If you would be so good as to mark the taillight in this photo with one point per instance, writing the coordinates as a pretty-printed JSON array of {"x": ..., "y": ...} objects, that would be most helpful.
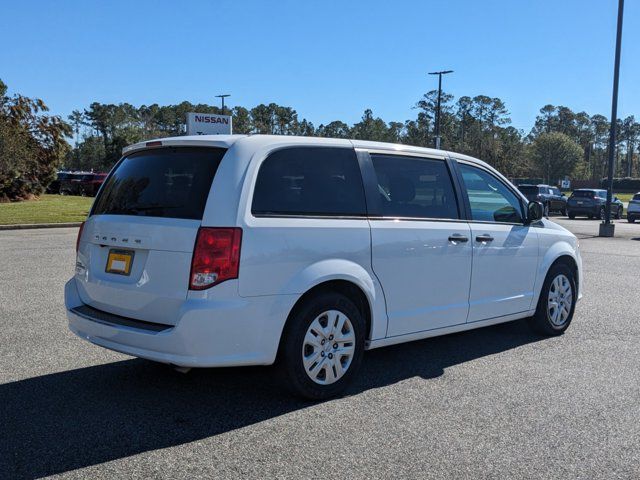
[
  {"x": 79, "y": 236},
  {"x": 216, "y": 257}
]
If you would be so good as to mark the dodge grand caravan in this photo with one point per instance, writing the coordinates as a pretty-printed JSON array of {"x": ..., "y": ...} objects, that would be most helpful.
[{"x": 214, "y": 251}]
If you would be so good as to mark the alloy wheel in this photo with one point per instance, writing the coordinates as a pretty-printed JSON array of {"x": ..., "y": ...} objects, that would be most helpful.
[
  {"x": 559, "y": 301},
  {"x": 328, "y": 347}
]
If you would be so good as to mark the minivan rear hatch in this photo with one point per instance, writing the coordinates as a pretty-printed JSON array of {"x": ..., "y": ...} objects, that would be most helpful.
[{"x": 135, "y": 256}]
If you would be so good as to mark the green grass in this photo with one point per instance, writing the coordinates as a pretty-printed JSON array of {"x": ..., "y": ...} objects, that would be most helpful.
[
  {"x": 624, "y": 197},
  {"x": 47, "y": 209}
]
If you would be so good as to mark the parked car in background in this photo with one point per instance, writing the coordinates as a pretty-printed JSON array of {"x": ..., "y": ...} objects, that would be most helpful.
[
  {"x": 85, "y": 184},
  {"x": 552, "y": 199},
  {"x": 633, "y": 210},
  {"x": 90, "y": 184},
  {"x": 228, "y": 250},
  {"x": 70, "y": 183},
  {"x": 54, "y": 187},
  {"x": 592, "y": 204}
]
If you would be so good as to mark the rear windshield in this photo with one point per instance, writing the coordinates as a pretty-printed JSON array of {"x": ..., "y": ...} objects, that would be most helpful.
[
  {"x": 165, "y": 182},
  {"x": 636, "y": 196},
  {"x": 528, "y": 189},
  {"x": 583, "y": 194}
]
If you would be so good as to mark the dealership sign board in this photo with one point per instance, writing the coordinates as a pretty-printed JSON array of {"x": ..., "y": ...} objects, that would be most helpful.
[{"x": 208, "y": 124}]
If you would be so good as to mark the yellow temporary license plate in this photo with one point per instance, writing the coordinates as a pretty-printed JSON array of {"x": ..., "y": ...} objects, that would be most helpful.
[{"x": 119, "y": 262}]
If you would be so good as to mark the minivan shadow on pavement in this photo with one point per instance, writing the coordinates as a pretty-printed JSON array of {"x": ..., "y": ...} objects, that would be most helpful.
[{"x": 69, "y": 420}]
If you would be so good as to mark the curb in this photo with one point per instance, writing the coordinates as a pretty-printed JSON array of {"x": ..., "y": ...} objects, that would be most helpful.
[{"x": 32, "y": 226}]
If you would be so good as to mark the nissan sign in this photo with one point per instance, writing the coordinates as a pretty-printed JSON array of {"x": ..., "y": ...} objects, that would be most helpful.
[{"x": 208, "y": 124}]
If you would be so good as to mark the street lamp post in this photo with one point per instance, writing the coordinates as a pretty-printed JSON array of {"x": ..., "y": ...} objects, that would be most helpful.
[
  {"x": 222, "y": 97},
  {"x": 443, "y": 72},
  {"x": 607, "y": 228}
]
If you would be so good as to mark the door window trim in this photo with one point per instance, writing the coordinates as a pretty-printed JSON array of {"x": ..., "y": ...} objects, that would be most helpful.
[{"x": 513, "y": 190}]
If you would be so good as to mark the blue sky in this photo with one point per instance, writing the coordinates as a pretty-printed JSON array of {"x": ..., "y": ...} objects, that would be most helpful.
[{"x": 329, "y": 60}]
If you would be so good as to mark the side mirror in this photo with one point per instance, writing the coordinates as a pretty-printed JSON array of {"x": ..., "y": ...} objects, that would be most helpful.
[{"x": 535, "y": 212}]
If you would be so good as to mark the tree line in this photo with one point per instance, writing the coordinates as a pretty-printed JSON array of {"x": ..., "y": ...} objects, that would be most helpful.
[{"x": 561, "y": 143}]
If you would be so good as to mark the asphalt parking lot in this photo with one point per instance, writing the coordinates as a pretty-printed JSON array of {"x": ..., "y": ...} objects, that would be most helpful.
[{"x": 493, "y": 403}]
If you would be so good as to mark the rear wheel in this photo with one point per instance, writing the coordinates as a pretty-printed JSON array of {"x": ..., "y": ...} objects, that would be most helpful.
[
  {"x": 556, "y": 303},
  {"x": 322, "y": 346},
  {"x": 631, "y": 219}
]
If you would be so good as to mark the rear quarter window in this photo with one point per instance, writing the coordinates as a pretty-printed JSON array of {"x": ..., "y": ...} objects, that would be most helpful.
[
  {"x": 309, "y": 181},
  {"x": 164, "y": 182}
]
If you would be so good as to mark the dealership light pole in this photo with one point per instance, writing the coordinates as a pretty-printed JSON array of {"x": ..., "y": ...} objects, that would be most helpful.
[
  {"x": 607, "y": 228},
  {"x": 222, "y": 97},
  {"x": 443, "y": 72}
]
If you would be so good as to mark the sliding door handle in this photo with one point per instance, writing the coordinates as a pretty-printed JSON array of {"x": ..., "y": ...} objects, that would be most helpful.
[
  {"x": 484, "y": 238},
  {"x": 456, "y": 237}
]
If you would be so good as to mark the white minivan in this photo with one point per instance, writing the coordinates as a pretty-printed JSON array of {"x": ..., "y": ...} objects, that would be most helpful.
[{"x": 211, "y": 251}]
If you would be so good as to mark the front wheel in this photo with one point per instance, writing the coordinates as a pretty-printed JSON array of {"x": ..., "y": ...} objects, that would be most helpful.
[
  {"x": 322, "y": 346},
  {"x": 631, "y": 219},
  {"x": 619, "y": 213},
  {"x": 556, "y": 303}
]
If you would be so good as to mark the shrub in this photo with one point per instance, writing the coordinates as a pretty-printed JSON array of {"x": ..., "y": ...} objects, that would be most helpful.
[
  {"x": 32, "y": 146},
  {"x": 623, "y": 185}
]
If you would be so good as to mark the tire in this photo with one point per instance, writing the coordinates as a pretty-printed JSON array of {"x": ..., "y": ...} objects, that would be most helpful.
[
  {"x": 572, "y": 216},
  {"x": 564, "y": 212},
  {"x": 631, "y": 219},
  {"x": 546, "y": 210},
  {"x": 308, "y": 344},
  {"x": 602, "y": 213},
  {"x": 549, "y": 320}
]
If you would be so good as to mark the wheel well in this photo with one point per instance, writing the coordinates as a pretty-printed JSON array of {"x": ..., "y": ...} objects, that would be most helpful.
[
  {"x": 570, "y": 262},
  {"x": 344, "y": 287}
]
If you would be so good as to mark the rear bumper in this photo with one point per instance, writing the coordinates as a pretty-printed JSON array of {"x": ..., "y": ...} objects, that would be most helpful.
[
  {"x": 633, "y": 212},
  {"x": 209, "y": 333},
  {"x": 593, "y": 210}
]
